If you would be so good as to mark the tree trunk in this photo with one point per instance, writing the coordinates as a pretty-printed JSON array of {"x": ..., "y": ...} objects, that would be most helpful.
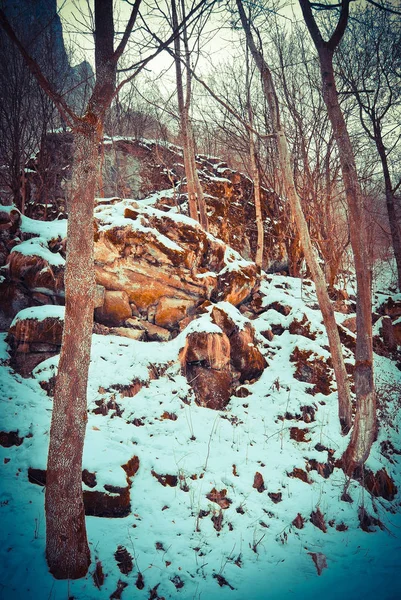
[
  {"x": 258, "y": 203},
  {"x": 255, "y": 172},
  {"x": 344, "y": 400},
  {"x": 365, "y": 427},
  {"x": 188, "y": 166},
  {"x": 203, "y": 218},
  {"x": 67, "y": 548},
  {"x": 196, "y": 199},
  {"x": 392, "y": 216}
]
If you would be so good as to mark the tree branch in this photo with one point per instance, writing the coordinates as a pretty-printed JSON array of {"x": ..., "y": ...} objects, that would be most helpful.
[{"x": 130, "y": 25}]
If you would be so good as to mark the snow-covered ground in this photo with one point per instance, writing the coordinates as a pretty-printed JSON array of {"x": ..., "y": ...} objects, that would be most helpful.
[{"x": 182, "y": 544}]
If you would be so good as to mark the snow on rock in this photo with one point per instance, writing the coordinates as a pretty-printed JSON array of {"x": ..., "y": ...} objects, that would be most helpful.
[
  {"x": 147, "y": 168},
  {"x": 165, "y": 262},
  {"x": 39, "y": 313},
  {"x": 34, "y": 335},
  {"x": 47, "y": 230}
]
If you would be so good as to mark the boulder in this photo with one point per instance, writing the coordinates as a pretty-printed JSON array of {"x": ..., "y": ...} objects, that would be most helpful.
[
  {"x": 151, "y": 332},
  {"x": 170, "y": 311},
  {"x": 210, "y": 349},
  {"x": 391, "y": 307},
  {"x": 245, "y": 356},
  {"x": 205, "y": 360},
  {"x": 166, "y": 264},
  {"x": 149, "y": 267},
  {"x": 350, "y": 323},
  {"x": 30, "y": 327},
  {"x": 235, "y": 285},
  {"x": 39, "y": 270},
  {"x": 115, "y": 309},
  {"x": 128, "y": 332},
  {"x": 35, "y": 335},
  {"x": 212, "y": 388},
  {"x": 312, "y": 369}
]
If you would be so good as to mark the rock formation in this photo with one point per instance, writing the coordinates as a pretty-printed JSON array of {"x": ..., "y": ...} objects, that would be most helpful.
[{"x": 137, "y": 169}]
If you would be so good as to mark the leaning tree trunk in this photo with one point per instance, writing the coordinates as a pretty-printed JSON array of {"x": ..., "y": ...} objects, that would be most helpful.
[
  {"x": 344, "y": 399},
  {"x": 365, "y": 426},
  {"x": 67, "y": 548},
  {"x": 201, "y": 203},
  {"x": 257, "y": 199},
  {"x": 255, "y": 172},
  {"x": 390, "y": 204},
  {"x": 184, "y": 119}
]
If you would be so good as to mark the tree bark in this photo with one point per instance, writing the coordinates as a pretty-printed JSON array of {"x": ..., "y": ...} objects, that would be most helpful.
[
  {"x": 67, "y": 549},
  {"x": 344, "y": 399},
  {"x": 257, "y": 200},
  {"x": 365, "y": 426}
]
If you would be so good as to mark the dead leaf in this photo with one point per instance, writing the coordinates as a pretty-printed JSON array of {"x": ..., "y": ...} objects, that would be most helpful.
[{"x": 320, "y": 561}]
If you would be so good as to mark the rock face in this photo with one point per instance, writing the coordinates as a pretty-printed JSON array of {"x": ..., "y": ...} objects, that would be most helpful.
[
  {"x": 205, "y": 360},
  {"x": 244, "y": 354},
  {"x": 136, "y": 169},
  {"x": 39, "y": 27},
  {"x": 161, "y": 267}
]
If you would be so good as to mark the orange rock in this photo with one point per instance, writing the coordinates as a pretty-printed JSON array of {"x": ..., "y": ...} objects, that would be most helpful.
[
  {"x": 170, "y": 311},
  {"x": 211, "y": 349},
  {"x": 36, "y": 272},
  {"x": 31, "y": 330},
  {"x": 212, "y": 388},
  {"x": 115, "y": 310},
  {"x": 245, "y": 356}
]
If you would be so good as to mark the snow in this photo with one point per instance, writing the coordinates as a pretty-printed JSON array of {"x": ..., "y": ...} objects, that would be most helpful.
[
  {"x": 258, "y": 552},
  {"x": 38, "y": 247},
  {"x": 151, "y": 413},
  {"x": 46, "y": 230},
  {"x": 39, "y": 313}
]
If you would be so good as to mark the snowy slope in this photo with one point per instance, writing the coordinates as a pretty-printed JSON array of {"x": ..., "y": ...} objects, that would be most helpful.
[{"x": 236, "y": 544}]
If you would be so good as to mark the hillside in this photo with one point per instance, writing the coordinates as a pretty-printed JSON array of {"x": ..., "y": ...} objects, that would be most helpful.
[{"x": 188, "y": 496}]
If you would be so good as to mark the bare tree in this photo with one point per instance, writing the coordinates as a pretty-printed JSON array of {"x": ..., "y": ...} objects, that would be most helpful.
[
  {"x": 365, "y": 426},
  {"x": 296, "y": 209},
  {"x": 182, "y": 61},
  {"x": 309, "y": 134},
  {"x": 371, "y": 73},
  {"x": 67, "y": 548}
]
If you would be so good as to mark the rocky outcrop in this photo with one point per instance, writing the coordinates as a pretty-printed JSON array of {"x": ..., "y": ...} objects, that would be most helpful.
[
  {"x": 149, "y": 265},
  {"x": 219, "y": 354},
  {"x": 161, "y": 267},
  {"x": 138, "y": 168},
  {"x": 34, "y": 335}
]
